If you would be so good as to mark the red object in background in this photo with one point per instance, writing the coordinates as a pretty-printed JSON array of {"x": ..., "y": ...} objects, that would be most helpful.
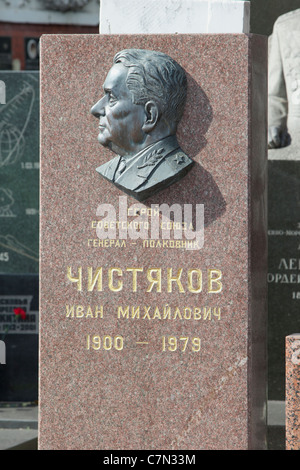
[{"x": 21, "y": 312}]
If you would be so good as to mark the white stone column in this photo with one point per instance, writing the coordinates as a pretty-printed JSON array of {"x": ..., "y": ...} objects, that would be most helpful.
[{"x": 174, "y": 16}]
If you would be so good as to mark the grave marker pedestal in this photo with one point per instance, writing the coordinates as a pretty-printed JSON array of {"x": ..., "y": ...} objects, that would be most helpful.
[{"x": 150, "y": 339}]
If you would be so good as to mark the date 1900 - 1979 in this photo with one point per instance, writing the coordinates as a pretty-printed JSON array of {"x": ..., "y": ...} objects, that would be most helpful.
[{"x": 167, "y": 343}]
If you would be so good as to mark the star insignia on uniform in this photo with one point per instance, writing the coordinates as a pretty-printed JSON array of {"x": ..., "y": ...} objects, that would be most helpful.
[{"x": 179, "y": 159}]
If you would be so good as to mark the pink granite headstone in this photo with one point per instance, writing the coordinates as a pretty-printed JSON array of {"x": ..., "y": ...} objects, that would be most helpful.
[
  {"x": 292, "y": 391},
  {"x": 149, "y": 339}
]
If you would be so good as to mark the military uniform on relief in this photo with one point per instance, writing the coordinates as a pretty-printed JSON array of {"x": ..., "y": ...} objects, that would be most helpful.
[
  {"x": 284, "y": 80},
  {"x": 160, "y": 164}
]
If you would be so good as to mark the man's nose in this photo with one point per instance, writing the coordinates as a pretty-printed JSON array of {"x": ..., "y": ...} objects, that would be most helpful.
[{"x": 98, "y": 109}]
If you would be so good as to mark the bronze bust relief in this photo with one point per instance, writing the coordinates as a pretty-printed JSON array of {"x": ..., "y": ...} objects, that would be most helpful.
[{"x": 144, "y": 97}]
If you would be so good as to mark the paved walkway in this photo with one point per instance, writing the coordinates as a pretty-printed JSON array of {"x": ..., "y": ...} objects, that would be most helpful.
[{"x": 19, "y": 427}]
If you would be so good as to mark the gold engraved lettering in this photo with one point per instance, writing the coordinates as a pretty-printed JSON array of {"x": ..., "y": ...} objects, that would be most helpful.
[
  {"x": 156, "y": 314},
  {"x": 134, "y": 276},
  {"x": 182, "y": 344},
  {"x": 104, "y": 343},
  {"x": 70, "y": 311},
  {"x": 197, "y": 313},
  {"x": 93, "y": 279},
  {"x": 135, "y": 312},
  {"x": 171, "y": 280},
  {"x": 147, "y": 315},
  {"x": 110, "y": 279},
  {"x": 217, "y": 312},
  {"x": 177, "y": 314},
  {"x": 153, "y": 281},
  {"x": 123, "y": 313},
  {"x": 79, "y": 311},
  {"x": 75, "y": 279},
  {"x": 176, "y": 279},
  {"x": 187, "y": 313},
  {"x": 168, "y": 313},
  {"x": 198, "y": 287},
  {"x": 214, "y": 281}
]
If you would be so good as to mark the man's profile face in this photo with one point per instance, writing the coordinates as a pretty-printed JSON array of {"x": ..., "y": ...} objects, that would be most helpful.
[{"x": 120, "y": 120}]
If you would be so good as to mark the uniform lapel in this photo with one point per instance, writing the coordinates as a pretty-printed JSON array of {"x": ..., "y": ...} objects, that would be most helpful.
[
  {"x": 109, "y": 169},
  {"x": 145, "y": 163}
]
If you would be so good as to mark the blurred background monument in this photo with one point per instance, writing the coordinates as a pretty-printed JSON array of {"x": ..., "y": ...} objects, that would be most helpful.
[{"x": 284, "y": 193}]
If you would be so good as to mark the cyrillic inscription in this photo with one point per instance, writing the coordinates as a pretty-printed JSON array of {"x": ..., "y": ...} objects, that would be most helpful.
[{"x": 159, "y": 279}]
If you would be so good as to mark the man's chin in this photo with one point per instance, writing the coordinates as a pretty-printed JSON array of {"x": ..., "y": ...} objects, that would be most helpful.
[
  {"x": 103, "y": 141},
  {"x": 108, "y": 144}
]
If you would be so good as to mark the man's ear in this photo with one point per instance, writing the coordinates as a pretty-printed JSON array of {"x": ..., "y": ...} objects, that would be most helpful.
[{"x": 152, "y": 116}]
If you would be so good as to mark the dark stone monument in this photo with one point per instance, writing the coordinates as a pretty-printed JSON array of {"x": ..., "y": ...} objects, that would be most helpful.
[
  {"x": 283, "y": 195},
  {"x": 32, "y": 53},
  {"x": 5, "y": 53},
  {"x": 19, "y": 376},
  {"x": 292, "y": 387},
  {"x": 19, "y": 235},
  {"x": 19, "y": 177},
  {"x": 283, "y": 266}
]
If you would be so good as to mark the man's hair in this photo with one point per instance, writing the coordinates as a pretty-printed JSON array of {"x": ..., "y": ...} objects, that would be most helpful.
[{"x": 155, "y": 76}]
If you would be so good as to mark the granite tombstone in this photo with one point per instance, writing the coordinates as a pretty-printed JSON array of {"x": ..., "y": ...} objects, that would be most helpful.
[
  {"x": 292, "y": 391},
  {"x": 19, "y": 235},
  {"x": 5, "y": 53},
  {"x": 153, "y": 313},
  {"x": 283, "y": 194},
  {"x": 19, "y": 179}
]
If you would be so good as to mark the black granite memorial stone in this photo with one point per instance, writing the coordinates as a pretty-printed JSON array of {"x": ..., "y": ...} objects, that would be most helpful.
[
  {"x": 19, "y": 235},
  {"x": 283, "y": 266},
  {"x": 19, "y": 175},
  {"x": 19, "y": 375},
  {"x": 5, "y": 53},
  {"x": 32, "y": 55}
]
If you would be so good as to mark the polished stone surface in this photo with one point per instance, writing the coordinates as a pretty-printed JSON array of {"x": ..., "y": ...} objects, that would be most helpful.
[
  {"x": 283, "y": 266},
  {"x": 292, "y": 391},
  {"x": 19, "y": 176},
  {"x": 19, "y": 376},
  {"x": 124, "y": 368}
]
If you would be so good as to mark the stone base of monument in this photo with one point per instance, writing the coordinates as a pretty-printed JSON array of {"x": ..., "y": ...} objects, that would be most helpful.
[{"x": 151, "y": 340}]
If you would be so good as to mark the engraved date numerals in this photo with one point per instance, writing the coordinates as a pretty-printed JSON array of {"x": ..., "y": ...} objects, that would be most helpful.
[
  {"x": 181, "y": 343},
  {"x": 105, "y": 342}
]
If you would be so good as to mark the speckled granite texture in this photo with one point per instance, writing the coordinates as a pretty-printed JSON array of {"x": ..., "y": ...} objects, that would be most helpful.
[
  {"x": 154, "y": 389},
  {"x": 292, "y": 391}
]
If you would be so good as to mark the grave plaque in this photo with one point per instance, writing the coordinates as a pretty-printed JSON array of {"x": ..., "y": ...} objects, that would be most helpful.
[
  {"x": 31, "y": 46},
  {"x": 283, "y": 265},
  {"x": 153, "y": 242},
  {"x": 292, "y": 389},
  {"x": 19, "y": 234},
  {"x": 19, "y": 177},
  {"x": 5, "y": 53},
  {"x": 284, "y": 194},
  {"x": 19, "y": 323}
]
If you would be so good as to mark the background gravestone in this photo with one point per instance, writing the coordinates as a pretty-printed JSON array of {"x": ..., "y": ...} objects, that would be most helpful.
[
  {"x": 19, "y": 376},
  {"x": 19, "y": 179},
  {"x": 284, "y": 194},
  {"x": 19, "y": 234},
  {"x": 139, "y": 347},
  {"x": 5, "y": 53},
  {"x": 283, "y": 266}
]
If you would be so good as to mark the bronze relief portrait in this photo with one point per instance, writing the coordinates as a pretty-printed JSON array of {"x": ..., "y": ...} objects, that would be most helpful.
[{"x": 143, "y": 102}]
